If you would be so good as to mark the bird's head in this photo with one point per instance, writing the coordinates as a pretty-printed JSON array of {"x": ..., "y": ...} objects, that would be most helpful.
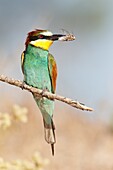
[{"x": 42, "y": 38}]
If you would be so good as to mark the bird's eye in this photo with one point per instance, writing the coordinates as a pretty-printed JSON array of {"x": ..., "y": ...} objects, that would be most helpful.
[{"x": 40, "y": 36}]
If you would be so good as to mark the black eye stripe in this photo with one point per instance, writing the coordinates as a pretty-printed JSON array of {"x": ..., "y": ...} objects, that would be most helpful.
[{"x": 33, "y": 38}]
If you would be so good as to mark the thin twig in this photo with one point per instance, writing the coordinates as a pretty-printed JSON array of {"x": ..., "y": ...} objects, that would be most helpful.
[{"x": 46, "y": 94}]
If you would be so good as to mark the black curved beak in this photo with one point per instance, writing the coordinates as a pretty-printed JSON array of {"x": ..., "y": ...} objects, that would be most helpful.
[
  {"x": 60, "y": 37},
  {"x": 56, "y": 37}
]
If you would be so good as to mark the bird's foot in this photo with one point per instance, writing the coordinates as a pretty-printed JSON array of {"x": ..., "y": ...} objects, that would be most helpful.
[
  {"x": 44, "y": 90},
  {"x": 22, "y": 86}
]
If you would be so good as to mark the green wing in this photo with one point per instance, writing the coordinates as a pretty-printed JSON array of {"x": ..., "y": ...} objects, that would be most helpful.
[{"x": 52, "y": 71}]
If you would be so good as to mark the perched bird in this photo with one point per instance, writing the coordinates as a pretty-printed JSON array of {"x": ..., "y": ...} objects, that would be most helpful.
[{"x": 40, "y": 71}]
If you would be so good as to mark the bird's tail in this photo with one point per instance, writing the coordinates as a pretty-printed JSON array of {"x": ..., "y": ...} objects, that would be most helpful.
[{"x": 49, "y": 132}]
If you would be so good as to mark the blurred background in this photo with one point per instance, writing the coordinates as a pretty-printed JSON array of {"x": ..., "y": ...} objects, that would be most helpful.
[{"x": 85, "y": 73}]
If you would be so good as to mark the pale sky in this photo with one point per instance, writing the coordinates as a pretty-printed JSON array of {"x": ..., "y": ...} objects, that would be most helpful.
[{"x": 85, "y": 66}]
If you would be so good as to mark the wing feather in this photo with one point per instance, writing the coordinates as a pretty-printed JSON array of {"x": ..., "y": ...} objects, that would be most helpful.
[{"x": 52, "y": 71}]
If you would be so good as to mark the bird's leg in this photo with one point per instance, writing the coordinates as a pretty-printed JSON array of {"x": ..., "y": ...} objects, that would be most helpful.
[
  {"x": 22, "y": 86},
  {"x": 44, "y": 90}
]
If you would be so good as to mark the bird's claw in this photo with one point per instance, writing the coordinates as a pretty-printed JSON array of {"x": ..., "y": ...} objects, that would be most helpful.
[
  {"x": 22, "y": 86},
  {"x": 43, "y": 91}
]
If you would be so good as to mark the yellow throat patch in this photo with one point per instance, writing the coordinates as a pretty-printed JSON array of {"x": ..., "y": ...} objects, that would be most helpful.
[{"x": 45, "y": 44}]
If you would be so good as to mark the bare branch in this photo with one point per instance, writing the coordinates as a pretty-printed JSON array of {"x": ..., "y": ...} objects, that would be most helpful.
[{"x": 46, "y": 94}]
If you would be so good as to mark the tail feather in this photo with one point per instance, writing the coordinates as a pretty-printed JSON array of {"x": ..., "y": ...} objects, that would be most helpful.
[
  {"x": 49, "y": 131},
  {"x": 52, "y": 149}
]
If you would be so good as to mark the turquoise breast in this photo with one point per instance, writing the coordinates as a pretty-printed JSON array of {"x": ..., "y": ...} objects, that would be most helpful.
[{"x": 36, "y": 71}]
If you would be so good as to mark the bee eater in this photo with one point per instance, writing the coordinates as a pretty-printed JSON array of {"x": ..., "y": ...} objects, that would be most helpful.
[{"x": 40, "y": 71}]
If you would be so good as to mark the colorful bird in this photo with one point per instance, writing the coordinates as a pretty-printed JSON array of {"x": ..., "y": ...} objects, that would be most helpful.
[{"x": 40, "y": 71}]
